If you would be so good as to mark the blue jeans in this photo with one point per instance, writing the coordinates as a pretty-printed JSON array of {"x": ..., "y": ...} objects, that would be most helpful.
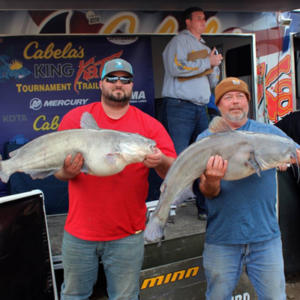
[
  {"x": 184, "y": 121},
  {"x": 264, "y": 266},
  {"x": 122, "y": 261}
]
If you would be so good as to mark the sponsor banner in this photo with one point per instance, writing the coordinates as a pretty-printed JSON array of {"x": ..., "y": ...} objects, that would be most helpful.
[
  {"x": 42, "y": 78},
  {"x": 185, "y": 280}
]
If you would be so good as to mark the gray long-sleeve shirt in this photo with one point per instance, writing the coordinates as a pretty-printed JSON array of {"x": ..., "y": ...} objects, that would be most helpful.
[{"x": 196, "y": 90}]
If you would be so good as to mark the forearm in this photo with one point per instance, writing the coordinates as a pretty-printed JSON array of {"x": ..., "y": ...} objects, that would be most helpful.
[
  {"x": 70, "y": 168},
  {"x": 208, "y": 188},
  {"x": 164, "y": 166},
  {"x": 62, "y": 175},
  {"x": 214, "y": 77},
  {"x": 176, "y": 58}
]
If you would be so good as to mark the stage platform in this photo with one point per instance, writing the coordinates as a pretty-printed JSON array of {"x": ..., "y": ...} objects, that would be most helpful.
[{"x": 184, "y": 223}]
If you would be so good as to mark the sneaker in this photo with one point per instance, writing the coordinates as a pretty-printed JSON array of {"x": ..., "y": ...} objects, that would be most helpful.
[{"x": 202, "y": 217}]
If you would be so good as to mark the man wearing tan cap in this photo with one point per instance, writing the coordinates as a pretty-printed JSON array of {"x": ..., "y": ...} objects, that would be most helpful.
[{"x": 242, "y": 227}]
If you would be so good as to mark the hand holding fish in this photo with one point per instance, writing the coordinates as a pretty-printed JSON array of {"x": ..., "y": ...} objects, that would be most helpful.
[
  {"x": 154, "y": 159},
  {"x": 215, "y": 168},
  {"x": 71, "y": 168},
  {"x": 282, "y": 168},
  {"x": 210, "y": 181},
  {"x": 294, "y": 160},
  {"x": 159, "y": 162}
]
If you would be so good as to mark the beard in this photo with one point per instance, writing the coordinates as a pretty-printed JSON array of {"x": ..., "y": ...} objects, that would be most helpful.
[
  {"x": 116, "y": 97},
  {"x": 235, "y": 118}
]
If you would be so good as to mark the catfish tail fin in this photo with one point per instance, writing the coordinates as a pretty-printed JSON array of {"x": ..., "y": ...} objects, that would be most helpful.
[
  {"x": 3, "y": 176},
  {"x": 154, "y": 230}
]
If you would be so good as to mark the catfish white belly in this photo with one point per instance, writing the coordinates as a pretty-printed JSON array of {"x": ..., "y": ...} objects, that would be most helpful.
[{"x": 105, "y": 152}]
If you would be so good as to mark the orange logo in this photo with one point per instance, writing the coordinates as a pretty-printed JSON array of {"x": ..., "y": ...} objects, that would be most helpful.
[{"x": 279, "y": 99}]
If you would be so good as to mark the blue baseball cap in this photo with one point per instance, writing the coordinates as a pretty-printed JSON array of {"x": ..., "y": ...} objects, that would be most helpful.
[{"x": 116, "y": 64}]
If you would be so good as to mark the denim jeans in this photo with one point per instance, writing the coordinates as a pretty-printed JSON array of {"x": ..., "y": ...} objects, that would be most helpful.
[
  {"x": 264, "y": 266},
  {"x": 184, "y": 121},
  {"x": 122, "y": 261}
]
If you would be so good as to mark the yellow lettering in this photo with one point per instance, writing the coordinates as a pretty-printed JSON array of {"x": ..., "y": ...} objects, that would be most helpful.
[
  {"x": 212, "y": 25},
  {"x": 67, "y": 52},
  {"x": 46, "y": 125},
  {"x": 190, "y": 270},
  {"x": 55, "y": 123},
  {"x": 152, "y": 281},
  {"x": 169, "y": 25},
  {"x": 19, "y": 85},
  {"x": 81, "y": 53},
  {"x": 49, "y": 51},
  {"x": 57, "y": 53},
  {"x": 35, "y": 127},
  {"x": 72, "y": 53},
  {"x": 39, "y": 54},
  {"x": 168, "y": 277},
  {"x": 66, "y": 49},
  {"x": 25, "y": 52},
  {"x": 79, "y": 83},
  {"x": 179, "y": 274},
  {"x": 129, "y": 20},
  {"x": 52, "y": 87},
  {"x": 44, "y": 87}
]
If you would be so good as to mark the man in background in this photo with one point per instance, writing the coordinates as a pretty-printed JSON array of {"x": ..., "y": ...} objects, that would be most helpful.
[{"x": 191, "y": 70}]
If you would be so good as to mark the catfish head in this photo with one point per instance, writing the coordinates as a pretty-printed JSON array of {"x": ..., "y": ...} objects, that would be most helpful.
[
  {"x": 136, "y": 147},
  {"x": 271, "y": 151}
]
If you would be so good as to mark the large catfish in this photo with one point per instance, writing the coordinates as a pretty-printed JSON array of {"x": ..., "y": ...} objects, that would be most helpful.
[
  {"x": 246, "y": 153},
  {"x": 105, "y": 152}
]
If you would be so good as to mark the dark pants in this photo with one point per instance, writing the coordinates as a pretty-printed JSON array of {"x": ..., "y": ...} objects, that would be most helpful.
[{"x": 184, "y": 121}]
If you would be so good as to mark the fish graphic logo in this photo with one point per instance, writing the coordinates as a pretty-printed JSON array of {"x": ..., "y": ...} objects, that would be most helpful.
[
  {"x": 119, "y": 64},
  {"x": 12, "y": 71}
]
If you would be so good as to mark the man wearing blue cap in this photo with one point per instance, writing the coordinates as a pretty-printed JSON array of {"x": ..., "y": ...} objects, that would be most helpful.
[{"x": 107, "y": 214}]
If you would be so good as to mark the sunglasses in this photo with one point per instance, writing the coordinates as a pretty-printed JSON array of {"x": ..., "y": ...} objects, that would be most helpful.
[{"x": 114, "y": 79}]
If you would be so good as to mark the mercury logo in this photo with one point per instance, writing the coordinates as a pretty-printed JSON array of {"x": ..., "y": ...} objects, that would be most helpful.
[{"x": 35, "y": 104}]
